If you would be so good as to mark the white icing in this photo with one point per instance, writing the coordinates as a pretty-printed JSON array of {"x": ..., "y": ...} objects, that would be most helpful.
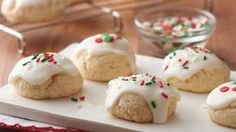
[
  {"x": 118, "y": 46},
  {"x": 39, "y": 72},
  {"x": 218, "y": 99},
  {"x": 196, "y": 62},
  {"x": 153, "y": 92}
]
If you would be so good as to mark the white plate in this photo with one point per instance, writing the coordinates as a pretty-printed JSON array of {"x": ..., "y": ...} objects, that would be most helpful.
[{"x": 190, "y": 113}]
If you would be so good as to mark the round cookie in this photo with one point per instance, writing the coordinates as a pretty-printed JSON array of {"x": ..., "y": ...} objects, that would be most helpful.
[
  {"x": 45, "y": 75},
  {"x": 222, "y": 104},
  {"x": 141, "y": 98},
  {"x": 103, "y": 57},
  {"x": 194, "y": 69},
  {"x": 34, "y": 11}
]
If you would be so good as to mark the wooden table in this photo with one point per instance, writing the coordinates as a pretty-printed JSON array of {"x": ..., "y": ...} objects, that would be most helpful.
[{"x": 56, "y": 38}]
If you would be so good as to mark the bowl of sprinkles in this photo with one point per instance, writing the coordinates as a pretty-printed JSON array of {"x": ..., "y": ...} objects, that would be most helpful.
[{"x": 168, "y": 27}]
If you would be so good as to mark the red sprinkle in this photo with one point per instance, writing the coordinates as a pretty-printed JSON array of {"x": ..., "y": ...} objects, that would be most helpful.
[
  {"x": 38, "y": 60},
  {"x": 164, "y": 95},
  {"x": 234, "y": 89},
  {"x": 160, "y": 84},
  {"x": 141, "y": 84},
  {"x": 194, "y": 25},
  {"x": 98, "y": 40},
  {"x": 185, "y": 63},
  {"x": 166, "y": 67},
  {"x": 146, "y": 74},
  {"x": 224, "y": 89},
  {"x": 54, "y": 62},
  {"x": 51, "y": 60},
  {"x": 153, "y": 78},
  {"x": 82, "y": 98},
  {"x": 180, "y": 60}
]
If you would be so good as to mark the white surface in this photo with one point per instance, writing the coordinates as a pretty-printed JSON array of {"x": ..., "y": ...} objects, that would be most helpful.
[{"x": 190, "y": 114}]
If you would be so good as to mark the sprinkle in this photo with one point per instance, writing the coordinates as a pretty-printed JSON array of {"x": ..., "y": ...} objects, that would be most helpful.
[
  {"x": 234, "y": 89},
  {"x": 168, "y": 84},
  {"x": 148, "y": 83},
  {"x": 164, "y": 95},
  {"x": 98, "y": 40},
  {"x": 224, "y": 89},
  {"x": 160, "y": 84},
  {"x": 74, "y": 99},
  {"x": 154, "y": 78},
  {"x": 174, "y": 53},
  {"x": 180, "y": 60},
  {"x": 166, "y": 68},
  {"x": 35, "y": 56},
  {"x": 146, "y": 74},
  {"x": 186, "y": 67},
  {"x": 153, "y": 103},
  {"x": 26, "y": 63},
  {"x": 234, "y": 82},
  {"x": 142, "y": 83},
  {"x": 124, "y": 79},
  {"x": 51, "y": 60},
  {"x": 82, "y": 98},
  {"x": 106, "y": 37},
  {"x": 54, "y": 62},
  {"x": 185, "y": 63},
  {"x": 38, "y": 60},
  {"x": 204, "y": 58},
  {"x": 43, "y": 60}
]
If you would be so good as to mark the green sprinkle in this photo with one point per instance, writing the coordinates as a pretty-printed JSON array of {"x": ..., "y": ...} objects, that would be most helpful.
[
  {"x": 196, "y": 51},
  {"x": 26, "y": 63},
  {"x": 74, "y": 99},
  {"x": 174, "y": 53},
  {"x": 234, "y": 82},
  {"x": 107, "y": 37},
  {"x": 153, "y": 81},
  {"x": 153, "y": 103},
  {"x": 148, "y": 83},
  {"x": 186, "y": 67},
  {"x": 204, "y": 58},
  {"x": 124, "y": 79},
  {"x": 45, "y": 59},
  {"x": 35, "y": 56},
  {"x": 170, "y": 57}
]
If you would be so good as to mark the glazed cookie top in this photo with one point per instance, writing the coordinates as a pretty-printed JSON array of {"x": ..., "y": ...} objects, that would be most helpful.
[
  {"x": 101, "y": 43},
  {"x": 185, "y": 62},
  {"x": 38, "y": 68},
  {"x": 155, "y": 91},
  {"x": 222, "y": 96}
]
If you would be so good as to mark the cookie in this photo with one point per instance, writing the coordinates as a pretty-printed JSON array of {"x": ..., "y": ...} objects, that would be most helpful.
[
  {"x": 222, "y": 104},
  {"x": 194, "y": 69},
  {"x": 103, "y": 57},
  {"x": 45, "y": 75},
  {"x": 141, "y": 98},
  {"x": 34, "y": 11}
]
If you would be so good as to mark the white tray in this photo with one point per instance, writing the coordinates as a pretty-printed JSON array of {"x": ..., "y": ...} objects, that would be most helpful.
[{"x": 190, "y": 114}]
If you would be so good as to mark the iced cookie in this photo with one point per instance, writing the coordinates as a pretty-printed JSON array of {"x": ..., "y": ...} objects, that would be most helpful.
[
  {"x": 45, "y": 75},
  {"x": 33, "y": 11},
  {"x": 141, "y": 98},
  {"x": 222, "y": 104},
  {"x": 194, "y": 69},
  {"x": 103, "y": 57}
]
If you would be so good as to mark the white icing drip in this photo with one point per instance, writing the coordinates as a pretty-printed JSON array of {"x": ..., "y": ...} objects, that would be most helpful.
[
  {"x": 197, "y": 59},
  {"x": 218, "y": 100},
  {"x": 39, "y": 72},
  {"x": 153, "y": 92},
  {"x": 119, "y": 46}
]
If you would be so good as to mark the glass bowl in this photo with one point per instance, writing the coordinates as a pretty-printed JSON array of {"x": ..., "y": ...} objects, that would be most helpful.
[{"x": 168, "y": 27}]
